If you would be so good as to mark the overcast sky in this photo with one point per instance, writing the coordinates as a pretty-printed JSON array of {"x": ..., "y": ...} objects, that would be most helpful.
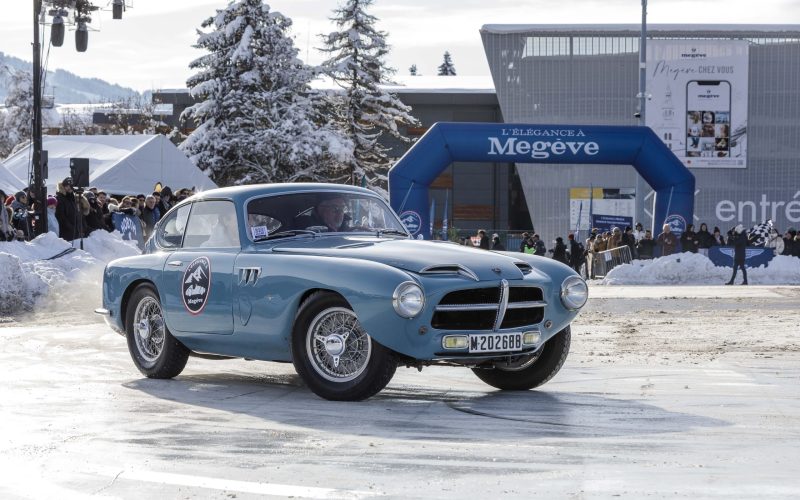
[{"x": 151, "y": 46}]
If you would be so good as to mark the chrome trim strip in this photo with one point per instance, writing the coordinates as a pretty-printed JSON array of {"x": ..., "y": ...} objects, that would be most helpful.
[
  {"x": 501, "y": 311},
  {"x": 467, "y": 307},
  {"x": 102, "y": 311},
  {"x": 527, "y": 305},
  {"x": 461, "y": 270}
]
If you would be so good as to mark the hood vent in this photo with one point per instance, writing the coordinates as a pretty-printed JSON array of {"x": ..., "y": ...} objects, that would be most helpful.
[
  {"x": 450, "y": 269},
  {"x": 524, "y": 267}
]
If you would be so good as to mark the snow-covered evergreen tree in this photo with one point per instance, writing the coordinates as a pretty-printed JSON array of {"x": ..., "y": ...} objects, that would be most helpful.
[
  {"x": 356, "y": 63},
  {"x": 412, "y": 70},
  {"x": 16, "y": 124},
  {"x": 447, "y": 68},
  {"x": 256, "y": 119}
]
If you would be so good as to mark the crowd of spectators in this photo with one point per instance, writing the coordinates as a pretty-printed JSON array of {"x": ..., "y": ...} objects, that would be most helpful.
[
  {"x": 74, "y": 213},
  {"x": 640, "y": 242}
]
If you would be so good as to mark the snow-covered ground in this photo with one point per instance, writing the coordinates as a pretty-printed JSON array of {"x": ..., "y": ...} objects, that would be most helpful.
[
  {"x": 30, "y": 280},
  {"x": 697, "y": 269}
]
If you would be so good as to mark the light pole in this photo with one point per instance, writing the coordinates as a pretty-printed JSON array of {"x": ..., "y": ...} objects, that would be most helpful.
[
  {"x": 82, "y": 9},
  {"x": 641, "y": 185},
  {"x": 39, "y": 187}
]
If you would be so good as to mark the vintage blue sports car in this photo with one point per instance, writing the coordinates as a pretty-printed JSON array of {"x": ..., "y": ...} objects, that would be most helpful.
[{"x": 327, "y": 277}]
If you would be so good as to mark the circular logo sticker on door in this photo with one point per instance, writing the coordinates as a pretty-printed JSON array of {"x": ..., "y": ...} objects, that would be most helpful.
[{"x": 196, "y": 285}]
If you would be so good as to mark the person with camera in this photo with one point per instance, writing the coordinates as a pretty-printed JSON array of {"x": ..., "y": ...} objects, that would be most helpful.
[
  {"x": 21, "y": 217},
  {"x": 67, "y": 211}
]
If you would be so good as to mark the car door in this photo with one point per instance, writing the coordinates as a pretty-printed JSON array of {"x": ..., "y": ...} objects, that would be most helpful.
[{"x": 198, "y": 277}]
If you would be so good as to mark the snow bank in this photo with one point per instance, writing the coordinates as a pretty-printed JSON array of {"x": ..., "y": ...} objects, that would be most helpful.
[
  {"x": 70, "y": 283},
  {"x": 696, "y": 269}
]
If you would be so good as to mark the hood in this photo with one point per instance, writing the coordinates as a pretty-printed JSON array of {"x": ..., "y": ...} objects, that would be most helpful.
[{"x": 417, "y": 256}]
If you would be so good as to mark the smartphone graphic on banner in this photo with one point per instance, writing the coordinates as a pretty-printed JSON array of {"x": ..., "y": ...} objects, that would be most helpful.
[{"x": 708, "y": 118}]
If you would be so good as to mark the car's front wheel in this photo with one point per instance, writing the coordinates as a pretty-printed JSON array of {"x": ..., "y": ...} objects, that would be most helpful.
[
  {"x": 334, "y": 355},
  {"x": 531, "y": 371},
  {"x": 155, "y": 352}
]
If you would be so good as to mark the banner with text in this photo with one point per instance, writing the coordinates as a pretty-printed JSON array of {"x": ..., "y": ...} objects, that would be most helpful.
[{"x": 698, "y": 103}]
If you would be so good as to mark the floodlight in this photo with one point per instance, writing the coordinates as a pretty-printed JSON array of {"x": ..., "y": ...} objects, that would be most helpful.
[
  {"x": 117, "y": 8},
  {"x": 57, "y": 31},
  {"x": 81, "y": 37}
]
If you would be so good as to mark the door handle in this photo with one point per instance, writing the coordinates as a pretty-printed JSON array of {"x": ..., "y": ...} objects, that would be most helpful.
[{"x": 174, "y": 263}]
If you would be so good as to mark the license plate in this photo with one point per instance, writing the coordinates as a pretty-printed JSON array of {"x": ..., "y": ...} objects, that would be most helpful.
[{"x": 495, "y": 342}]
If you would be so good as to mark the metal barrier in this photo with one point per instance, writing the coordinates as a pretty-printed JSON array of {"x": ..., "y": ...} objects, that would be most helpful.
[{"x": 607, "y": 260}]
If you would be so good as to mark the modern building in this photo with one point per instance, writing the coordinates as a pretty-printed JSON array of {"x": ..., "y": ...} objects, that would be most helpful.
[{"x": 725, "y": 98}]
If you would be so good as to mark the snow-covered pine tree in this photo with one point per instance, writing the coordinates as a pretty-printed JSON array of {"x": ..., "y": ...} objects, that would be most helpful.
[
  {"x": 447, "y": 68},
  {"x": 356, "y": 63},
  {"x": 412, "y": 70},
  {"x": 16, "y": 124},
  {"x": 256, "y": 119}
]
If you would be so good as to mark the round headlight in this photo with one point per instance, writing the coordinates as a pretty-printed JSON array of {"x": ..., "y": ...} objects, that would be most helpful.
[
  {"x": 408, "y": 299},
  {"x": 574, "y": 293}
]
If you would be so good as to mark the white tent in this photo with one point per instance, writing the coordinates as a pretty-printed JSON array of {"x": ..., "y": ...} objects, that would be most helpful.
[
  {"x": 9, "y": 182},
  {"x": 118, "y": 164}
]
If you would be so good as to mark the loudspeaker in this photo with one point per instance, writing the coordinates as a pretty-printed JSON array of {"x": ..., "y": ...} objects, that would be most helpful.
[
  {"x": 79, "y": 171},
  {"x": 117, "y": 8},
  {"x": 57, "y": 32}
]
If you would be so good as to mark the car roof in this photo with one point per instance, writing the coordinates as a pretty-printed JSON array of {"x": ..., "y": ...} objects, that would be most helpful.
[{"x": 239, "y": 194}]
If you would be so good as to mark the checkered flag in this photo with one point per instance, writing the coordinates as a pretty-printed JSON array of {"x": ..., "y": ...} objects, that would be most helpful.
[{"x": 759, "y": 234}]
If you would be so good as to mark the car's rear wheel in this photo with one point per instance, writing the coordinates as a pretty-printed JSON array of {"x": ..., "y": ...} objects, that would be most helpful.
[
  {"x": 334, "y": 355},
  {"x": 527, "y": 372},
  {"x": 155, "y": 352}
]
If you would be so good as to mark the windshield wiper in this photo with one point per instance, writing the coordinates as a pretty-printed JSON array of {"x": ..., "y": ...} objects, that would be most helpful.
[
  {"x": 284, "y": 234},
  {"x": 392, "y": 231}
]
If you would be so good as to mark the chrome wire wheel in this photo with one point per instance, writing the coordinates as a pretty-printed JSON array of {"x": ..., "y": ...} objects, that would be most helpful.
[
  {"x": 337, "y": 346},
  {"x": 148, "y": 329}
]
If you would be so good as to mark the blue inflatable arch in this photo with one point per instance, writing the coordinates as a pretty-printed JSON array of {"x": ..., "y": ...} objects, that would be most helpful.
[{"x": 445, "y": 143}]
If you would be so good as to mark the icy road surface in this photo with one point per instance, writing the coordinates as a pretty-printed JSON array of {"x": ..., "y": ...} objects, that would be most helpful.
[{"x": 681, "y": 392}]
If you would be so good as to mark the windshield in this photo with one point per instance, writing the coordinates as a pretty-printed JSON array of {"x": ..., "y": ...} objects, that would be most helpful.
[{"x": 320, "y": 212}]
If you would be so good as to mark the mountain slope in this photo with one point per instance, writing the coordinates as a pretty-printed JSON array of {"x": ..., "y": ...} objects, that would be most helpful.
[{"x": 67, "y": 87}]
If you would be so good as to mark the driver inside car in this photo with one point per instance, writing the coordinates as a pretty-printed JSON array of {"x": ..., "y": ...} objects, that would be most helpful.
[{"x": 330, "y": 212}]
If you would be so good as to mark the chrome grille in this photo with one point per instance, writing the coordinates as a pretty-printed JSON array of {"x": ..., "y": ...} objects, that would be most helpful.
[{"x": 491, "y": 308}]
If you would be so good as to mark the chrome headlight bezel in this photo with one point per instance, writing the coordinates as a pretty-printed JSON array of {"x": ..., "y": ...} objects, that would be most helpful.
[
  {"x": 405, "y": 308},
  {"x": 574, "y": 293}
]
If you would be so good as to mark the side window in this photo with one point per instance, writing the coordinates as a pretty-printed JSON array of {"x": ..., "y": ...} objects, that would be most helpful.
[
  {"x": 170, "y": 230},
  {"x": 212, "y": 224}
]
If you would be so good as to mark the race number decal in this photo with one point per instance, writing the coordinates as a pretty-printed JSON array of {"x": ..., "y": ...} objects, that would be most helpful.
[{"x": 196, "y": 285}]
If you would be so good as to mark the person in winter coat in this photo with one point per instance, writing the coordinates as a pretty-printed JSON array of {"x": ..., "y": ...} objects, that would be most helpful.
[
  {"x": 94, "y": 219},
  {"x": 629, "y": 240},
  {"x": 538, "y": 245},
  {"x": 718, "y": 239},
  {"x": 165, "y": 200},
  {"x": 775, "y": 242},
  {"x": 560, "y": 251},
  {"x": 689, "y": 241},
  {"x": 52, "y": 220},
  {"x": 67, "y": 211},
  {"x": 20, "y": 216},
  {"x": 739, "y": 243},
  {"x": 705, "y": 240},
  {"x": 484, "y": 240},
  {"x": 639, "y": 232},
  {"x": 7, "y": 231},
  {"x": 590, "y": 256},
  {"x": 149, "y": 216},
  {"x": 666, "y": 241},
  {"x": 615, "y": 240},
  {"x": 524, "y": 242},
  {"x": 788, "y": 242},
  {"x": 646, "y": 246},
  {"x": 496, "y": 245},
  {"x": 576, "y": 253}
]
